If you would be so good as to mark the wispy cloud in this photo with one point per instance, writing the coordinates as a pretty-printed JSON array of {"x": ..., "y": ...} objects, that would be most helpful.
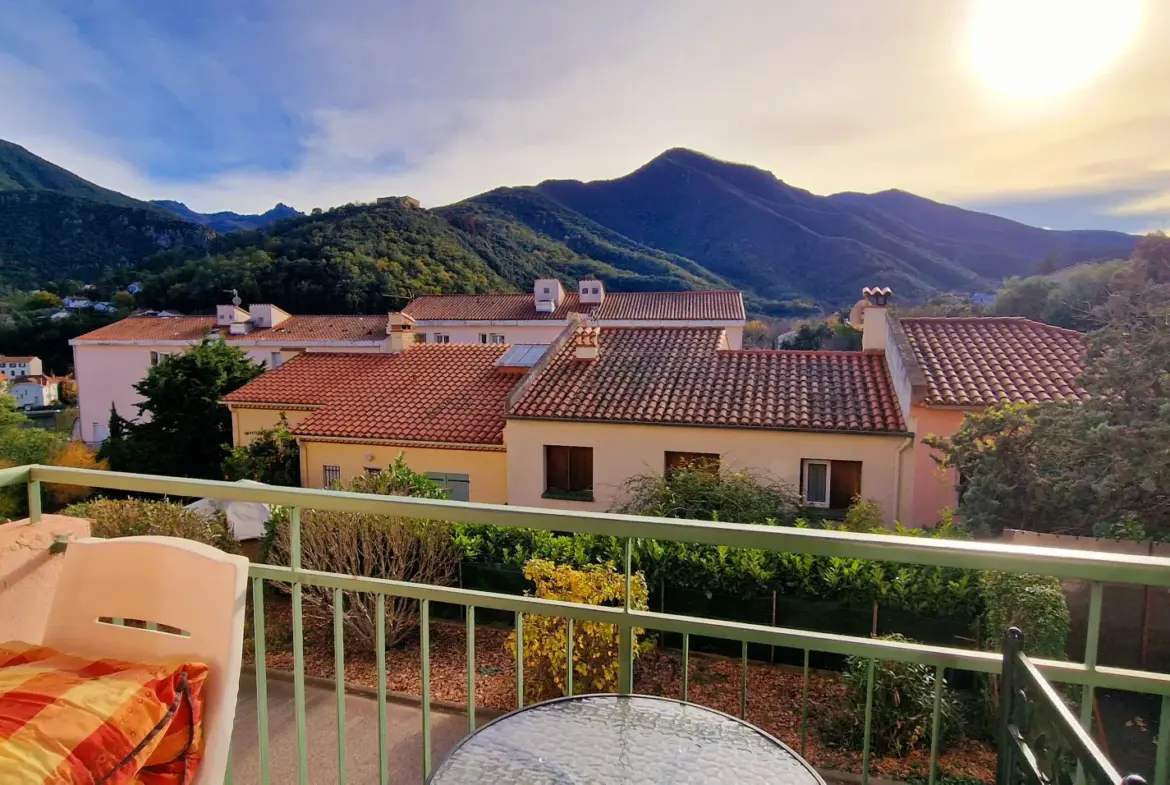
[{"x": 239, "y": 104}]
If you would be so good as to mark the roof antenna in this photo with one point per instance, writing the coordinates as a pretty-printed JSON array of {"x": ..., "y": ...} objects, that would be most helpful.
[{"x": 236, "y": 301}]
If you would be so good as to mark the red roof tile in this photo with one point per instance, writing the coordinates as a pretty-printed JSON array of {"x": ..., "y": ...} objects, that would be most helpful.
[
  {"x": 308, "y": 379},
  {"x": 194, "y": 328},
  {"x": 681, "y": 376},
  {"x": 616, "y": 306},
  {"x": 449, "y": 393},
  {"x": 979, "y": 361}
]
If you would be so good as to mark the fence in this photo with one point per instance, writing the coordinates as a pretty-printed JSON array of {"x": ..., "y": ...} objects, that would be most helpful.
[{"x": 1096, "y": 568}]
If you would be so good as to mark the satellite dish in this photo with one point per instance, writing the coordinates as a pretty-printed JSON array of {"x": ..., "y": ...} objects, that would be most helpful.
[{"x": 236, "y": 301}]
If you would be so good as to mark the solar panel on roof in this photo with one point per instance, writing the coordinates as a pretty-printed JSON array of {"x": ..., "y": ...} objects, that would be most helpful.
[{"x": 522, "y": 356}]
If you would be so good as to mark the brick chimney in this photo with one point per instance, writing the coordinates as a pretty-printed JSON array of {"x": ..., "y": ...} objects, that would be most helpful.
[
  {"x": 873, "y": 317},
  {"x": 400, "y": 329},
  {"x": 585, "y": 344}
]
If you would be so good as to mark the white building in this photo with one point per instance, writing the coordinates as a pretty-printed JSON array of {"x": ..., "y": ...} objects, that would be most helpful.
[
  {"x": 20, "y": 366},
  {"x": 32, "y": 391}
]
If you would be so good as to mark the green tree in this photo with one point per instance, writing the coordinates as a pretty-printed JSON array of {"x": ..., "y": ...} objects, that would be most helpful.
[
  {"x": 1026, "y": 297},
  {"x": 41, "y": 300},
  {"x": 188, "y": 427},
  {"x": 272, "y": 457},
  {"x": 123, "y": 300},
  {"x": 809, "y": 336},
  {"x": 757, "y": 335}
]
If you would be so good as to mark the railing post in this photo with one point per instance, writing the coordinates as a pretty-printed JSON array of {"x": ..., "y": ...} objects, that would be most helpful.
[
  {"x": 626, "y": 634},
  {"x": 34, "y": 501},
  {"x": 1013, "y": 641}
]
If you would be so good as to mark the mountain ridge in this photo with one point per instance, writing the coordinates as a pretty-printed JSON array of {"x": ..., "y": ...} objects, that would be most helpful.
[{"x": 227, "y": 221}]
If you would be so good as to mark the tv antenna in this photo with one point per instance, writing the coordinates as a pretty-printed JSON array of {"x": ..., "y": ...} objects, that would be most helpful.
[{"x": 236, "y": 301}]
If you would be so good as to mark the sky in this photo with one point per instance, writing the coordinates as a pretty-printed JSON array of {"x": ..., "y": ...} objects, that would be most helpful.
[{"x": 239, "y": 104}]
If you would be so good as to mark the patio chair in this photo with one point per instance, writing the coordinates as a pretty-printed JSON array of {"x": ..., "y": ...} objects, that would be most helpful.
[{"x": 169, "y": 581}]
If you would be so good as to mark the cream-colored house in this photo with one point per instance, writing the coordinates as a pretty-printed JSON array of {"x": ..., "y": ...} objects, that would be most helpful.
[
  {"x": 440, "y": 405},
  {"x": 610, "y": 404},
  {"x": 12, "y": 366},
  {"x": 34, "y": 391}
]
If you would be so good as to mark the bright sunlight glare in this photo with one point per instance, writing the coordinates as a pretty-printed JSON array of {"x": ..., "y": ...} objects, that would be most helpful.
[{"x": 1037, "y": 48}]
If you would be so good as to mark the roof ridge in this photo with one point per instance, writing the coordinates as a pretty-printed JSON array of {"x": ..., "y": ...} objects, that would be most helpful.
[{"x": 990, "y": 318}]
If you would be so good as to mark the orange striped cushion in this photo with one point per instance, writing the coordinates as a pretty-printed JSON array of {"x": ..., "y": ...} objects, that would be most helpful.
[{"x": 71, "y": 719}]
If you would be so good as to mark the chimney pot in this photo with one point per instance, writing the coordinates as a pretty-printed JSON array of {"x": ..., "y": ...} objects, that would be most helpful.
[{"x": 586, "y": 344}]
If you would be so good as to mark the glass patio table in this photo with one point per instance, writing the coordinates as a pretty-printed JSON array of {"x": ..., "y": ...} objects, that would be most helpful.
[{"x": 621, "y": 739}]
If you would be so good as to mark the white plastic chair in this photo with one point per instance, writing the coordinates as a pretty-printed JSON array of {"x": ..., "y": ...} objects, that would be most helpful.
[{"x": 167, "y": 580}]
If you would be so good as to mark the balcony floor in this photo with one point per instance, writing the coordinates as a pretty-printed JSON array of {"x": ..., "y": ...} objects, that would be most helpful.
[{"x": 404, "y": 736}]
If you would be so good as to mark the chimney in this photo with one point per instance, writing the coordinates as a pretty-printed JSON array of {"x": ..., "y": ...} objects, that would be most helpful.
[
  {"x": 548, "y": 294},
  {"x": 227, "y": 315},
  {"x": 585, "y": 344},
  {"x": 590, "y": 292},
  {"x": 400, "y": 328},
  {"x": 267, "y": 316},
  {"x": 873, "y": 317}
]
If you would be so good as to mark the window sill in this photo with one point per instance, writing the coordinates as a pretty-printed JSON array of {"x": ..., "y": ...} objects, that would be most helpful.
[{"x": 569, "y": 496}]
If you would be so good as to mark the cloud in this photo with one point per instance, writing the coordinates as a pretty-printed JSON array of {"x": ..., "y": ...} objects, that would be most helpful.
[{"x": 240, "y": 105}]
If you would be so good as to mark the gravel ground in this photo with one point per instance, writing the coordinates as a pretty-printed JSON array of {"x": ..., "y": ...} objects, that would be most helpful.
[{"x": 774, "y": 692}]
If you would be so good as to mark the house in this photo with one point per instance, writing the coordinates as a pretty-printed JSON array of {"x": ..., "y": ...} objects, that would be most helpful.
[
  {"x": 613, "y": 403},
  {"x": 33, "y": 391},
  {"x": 947, "y": 367},
  {"x": 566, "y": 425},
  {"x": 21, "y": 366},
  {"x": 59, "y": 315},
  {"x": 440, "y": 405},
  {"x": 135, "y": 288},
  {"x": 78, "y": 303},
  {"x": 540, "y": 317},
  {"x": 110, "y": 360},
  {"x": 104, "y": 307}
]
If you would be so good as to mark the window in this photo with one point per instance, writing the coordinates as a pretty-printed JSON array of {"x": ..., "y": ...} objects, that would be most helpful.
[
  {"x": 831, "y": 484},
  {"x": 154, "y": 358},
  {"x": 568, "y": 472},
  {"x": 705, "y": 461},
  {"x": 457, "y": 486},
  {"x": 372, "y": 470},
  {"x": 494, "y": 338},
  {"x": 442, "y": 338},
  {"x": 546, "y": 290},
  {"x": 420, "y": 337},
  {"x": 330, "y": 476},
  {"x": 276, "y": 360}
]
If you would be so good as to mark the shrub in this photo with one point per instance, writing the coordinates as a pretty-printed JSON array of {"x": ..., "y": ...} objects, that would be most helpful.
[
  {"x": 697, "y": 492},
  {"x": 1034, "y": 603},
  {"x": 135, "y": 517},
  {"x": 272, "y": 457},
  {"x": 903, "y": 706},
  {"x": 864, "y": 516},
  {"x": 595, "y": 645},
  {"x": 75, "y": 455}
]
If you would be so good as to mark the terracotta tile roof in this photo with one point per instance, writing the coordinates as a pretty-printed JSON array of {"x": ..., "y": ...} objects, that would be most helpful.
[
  {"x": 449, "y": 393},
  {"x": 40, "y": 379},
  {"x": 979, "y": 361},
  {"x": 308, "y": 379},
  {"x": 616, "y": 306},
  {"x": 8, "y": 359},
  {"x": 681, "y": 376},
  {"x": 194, "y": 328}
]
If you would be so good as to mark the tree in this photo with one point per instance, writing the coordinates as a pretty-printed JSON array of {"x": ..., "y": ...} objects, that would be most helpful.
[
  {"x": 272, "y": 457},
  {"x": 757, "y": 335},
  {"x": 69, "y": 392},
  {"x": 1154, "y": 252},
  {"x": 20, "y": 444},
  {"x": 1026, "y": 297},
  {"x": 1098, "y": 467},
  {"x": 701, "y": 492},
  {"x": 123, "y": 300},
  {"x": 41, "y": 300},
  {"x": 76, "y": 455},
  {"x": 808, "y": 337},
  {"x": 1047, "y": 265},
  {"x": 188, "y": 427}
]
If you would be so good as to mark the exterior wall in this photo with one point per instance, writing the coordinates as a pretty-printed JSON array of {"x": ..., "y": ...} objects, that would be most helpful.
[
  {"x": 530, "y": 334},
  {"x": 487, "y": 470},
  {"x": 934, "y": 489},
  {"x": 246, "y": 423},
  {"x": 22, "y": 368},
  {"x": 28, "y": 395},
  {"x": 622, "y": 451}
]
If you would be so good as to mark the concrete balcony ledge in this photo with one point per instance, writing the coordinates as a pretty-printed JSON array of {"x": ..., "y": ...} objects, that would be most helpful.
[{"x": 29, "y": 570}]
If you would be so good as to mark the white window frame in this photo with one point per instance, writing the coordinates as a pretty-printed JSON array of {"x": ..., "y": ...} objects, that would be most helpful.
[
  {"x": 442, "y": 338},
  {"x": 828, "y": 482},
  {"x": 496, "y": 338}
]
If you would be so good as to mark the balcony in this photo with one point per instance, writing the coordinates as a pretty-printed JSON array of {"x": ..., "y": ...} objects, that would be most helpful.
[{"x": 284, "y": 743}]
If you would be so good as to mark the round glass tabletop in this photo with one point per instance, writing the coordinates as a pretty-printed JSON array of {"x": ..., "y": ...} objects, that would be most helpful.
[{"x": 621, "y": 739}]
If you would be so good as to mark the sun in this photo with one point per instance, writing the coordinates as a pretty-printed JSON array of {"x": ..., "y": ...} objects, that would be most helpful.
[{"x": 1038, "y": 48}]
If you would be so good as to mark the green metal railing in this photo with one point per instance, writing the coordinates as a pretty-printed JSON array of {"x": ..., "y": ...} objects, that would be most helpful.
[{"x": 1094, "y": 567}]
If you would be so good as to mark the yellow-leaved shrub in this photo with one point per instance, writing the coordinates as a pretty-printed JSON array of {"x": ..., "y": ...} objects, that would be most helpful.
[{"x": 595, "y": 645}]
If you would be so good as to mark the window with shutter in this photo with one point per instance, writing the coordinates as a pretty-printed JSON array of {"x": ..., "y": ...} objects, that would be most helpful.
[{"x": 568, "y": 472}]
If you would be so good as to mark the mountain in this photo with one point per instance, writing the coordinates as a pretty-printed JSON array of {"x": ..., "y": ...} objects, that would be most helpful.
[
  {"x": 225, "y": 221},
  {"x": 54, "y": 225},
  {"x": 787, "y": 245}
]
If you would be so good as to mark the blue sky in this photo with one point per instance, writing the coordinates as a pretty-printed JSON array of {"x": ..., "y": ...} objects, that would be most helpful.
[{"x": 238, "y": 105}]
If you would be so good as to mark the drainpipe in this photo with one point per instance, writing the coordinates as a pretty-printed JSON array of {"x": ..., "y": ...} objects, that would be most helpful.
[{"x": 898, "y": 475}]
